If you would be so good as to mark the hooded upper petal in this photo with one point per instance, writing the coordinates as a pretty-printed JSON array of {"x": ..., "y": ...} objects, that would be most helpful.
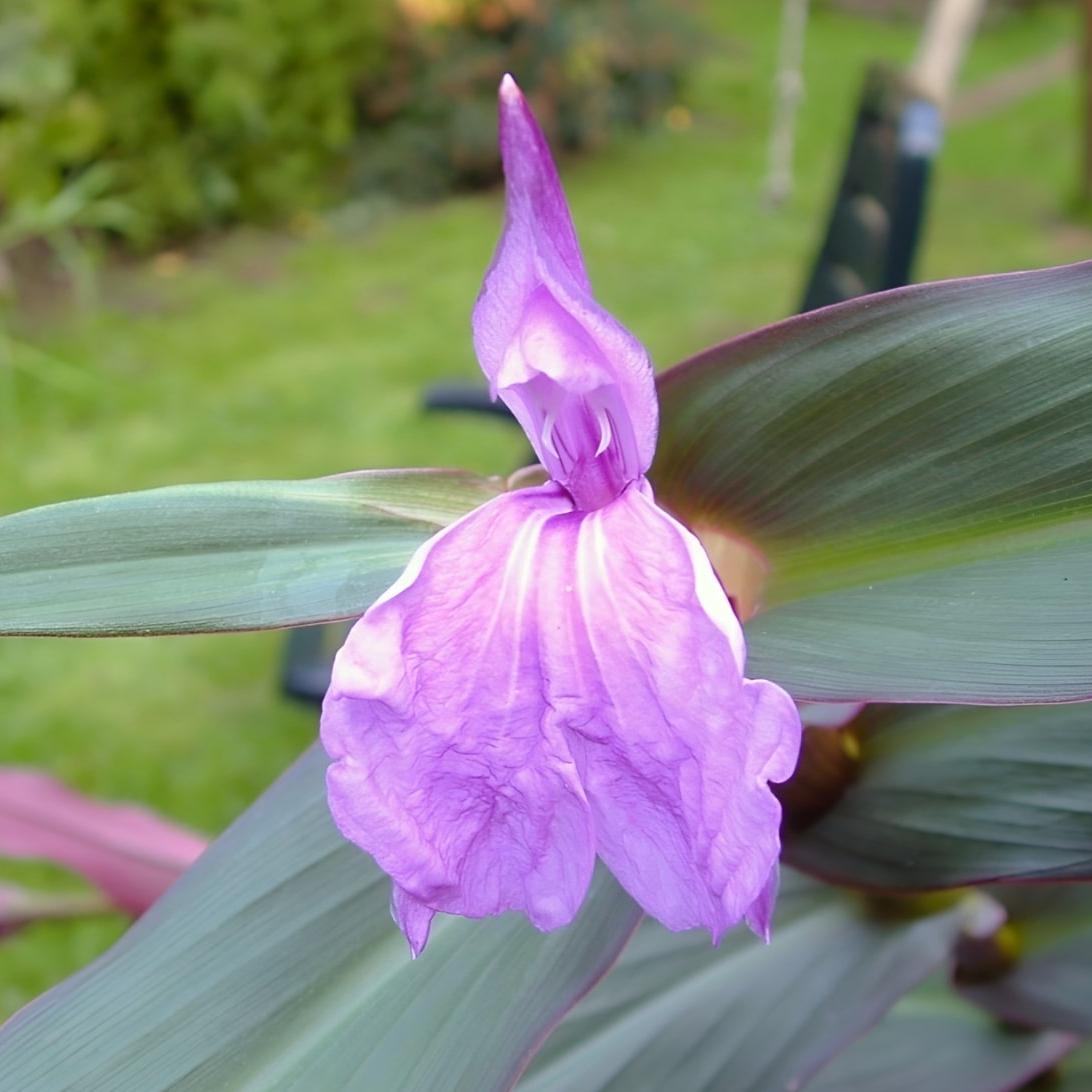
[
  {"x": 579, "y": 383},
  {"x": 448, "y": 767}
]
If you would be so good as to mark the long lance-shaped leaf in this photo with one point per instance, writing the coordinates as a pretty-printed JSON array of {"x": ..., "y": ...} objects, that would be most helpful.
[
  {"x": 916, "y": 470},
  {"x": 930, "y": 1040},
  {"x": 273, "y": 964},
  {"x": 238, "y": 555},
  {"x": 1049, "y": 984},
  {"x": 947, "y": 796},
  {"x": 749, "y": 1017}
]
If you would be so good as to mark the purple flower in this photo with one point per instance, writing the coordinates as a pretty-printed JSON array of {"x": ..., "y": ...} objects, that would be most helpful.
[{"x": 559, "y": 674}]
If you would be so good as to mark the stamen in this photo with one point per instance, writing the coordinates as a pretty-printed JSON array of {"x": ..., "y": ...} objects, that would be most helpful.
[
  {"x": 605, "y": 434},
  {"x": 548, "y": 435}
]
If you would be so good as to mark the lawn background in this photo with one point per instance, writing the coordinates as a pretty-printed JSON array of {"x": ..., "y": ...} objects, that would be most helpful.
[{"x": 306, "y": 352}]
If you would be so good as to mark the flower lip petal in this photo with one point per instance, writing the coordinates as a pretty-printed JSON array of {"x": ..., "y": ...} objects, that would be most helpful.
[
  {"x": 545, "y": 683},
  {"x": 446, "y": 768},
  {"x": 674, "y": 746}
]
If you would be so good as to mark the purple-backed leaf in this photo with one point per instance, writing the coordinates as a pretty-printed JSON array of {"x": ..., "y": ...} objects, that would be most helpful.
[
  {"x": 948, "y": 796},
  {"x": 748, "y": 1017},
  {"x": 916, "y": 470},
  {"x": 273, "y": 963},
  {"x": 931, "y": 1040},
  {"x": 1049, "y": 984},
  {"x": 128, "y": 853}
]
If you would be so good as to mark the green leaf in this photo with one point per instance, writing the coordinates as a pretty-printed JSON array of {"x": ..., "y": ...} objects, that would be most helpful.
[
  {"x": 273, "y": 964},
  {"x": 237, "y": 555},
  {"x": 930, "y": 1040},
  {"x": 676, "y": 1015},
  {"x": 916, "y": 470},
  {"x": 1048, "y": 986},
  {"x": 960, "y": 795}
]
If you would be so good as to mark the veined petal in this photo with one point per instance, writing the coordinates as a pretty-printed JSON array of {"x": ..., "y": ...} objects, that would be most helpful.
[
  {"x": 675, "y": 748},
  {"x": 579, "y": 383},
  {"x": 544, "y": 683},
  {"x": 449, "y": 766}
]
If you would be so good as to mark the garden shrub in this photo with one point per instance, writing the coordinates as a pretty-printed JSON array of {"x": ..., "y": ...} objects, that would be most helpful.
[
  {"x": 150, "y": 120},
  {"x": 429, "y": 121},
  {"x": 160, "y": 117}
]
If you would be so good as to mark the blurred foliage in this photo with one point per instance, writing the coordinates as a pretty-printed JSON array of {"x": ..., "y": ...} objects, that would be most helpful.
[
  {"x": 152, "y": 119},
  {"x": 429, "y": 118},
  {"x": 149, "y": 118},
  {"x": 917, "y": 9}
]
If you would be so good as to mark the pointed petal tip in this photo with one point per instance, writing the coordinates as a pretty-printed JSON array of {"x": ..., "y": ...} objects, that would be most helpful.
[
  {"x": 518, "y": 125},
  {"x": 413, "y": 917},
  {"x": 762, "y": 931},
  {"x": 759, "y": 916},
  {"x": 759, "y": 925},
  {"x": 509, "y": 89}
]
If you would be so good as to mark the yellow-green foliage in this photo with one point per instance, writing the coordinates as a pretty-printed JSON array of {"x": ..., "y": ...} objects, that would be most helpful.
[{"x": 154, "y": 117}]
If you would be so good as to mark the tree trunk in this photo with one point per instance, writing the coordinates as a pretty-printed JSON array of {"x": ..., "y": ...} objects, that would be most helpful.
[
  {"x": 949, "y": 28},
  {"x": 1086, "y": 76},
  {"x": 790, "y": 90}
]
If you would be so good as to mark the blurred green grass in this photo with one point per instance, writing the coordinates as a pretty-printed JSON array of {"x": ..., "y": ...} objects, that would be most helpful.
[{"x": 291, "y": 356}]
